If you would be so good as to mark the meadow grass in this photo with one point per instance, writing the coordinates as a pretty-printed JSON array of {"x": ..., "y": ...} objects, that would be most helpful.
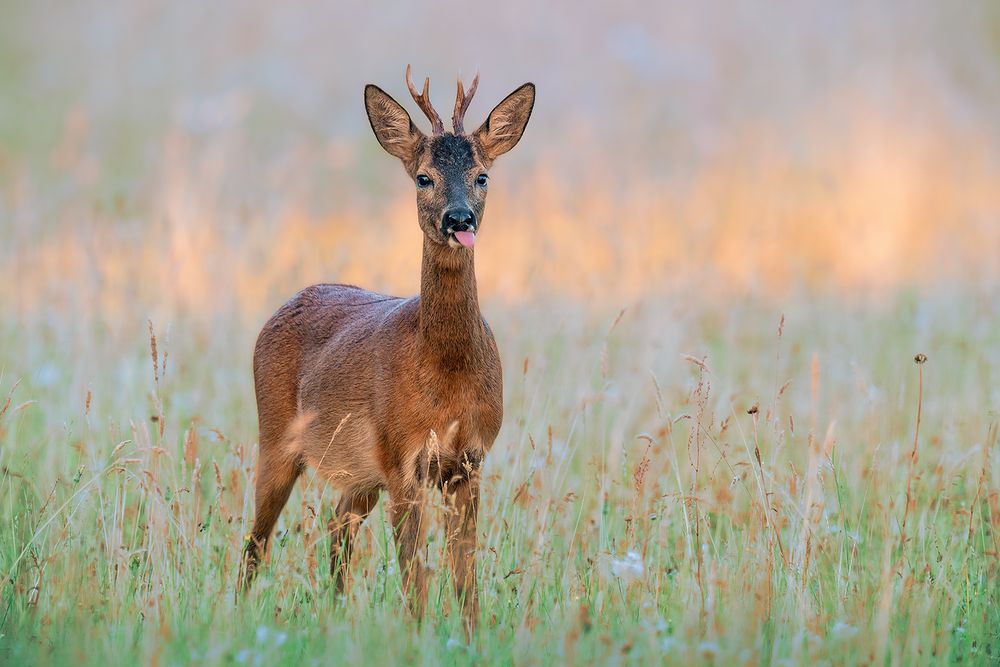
[{"x": 686, "y": 481}]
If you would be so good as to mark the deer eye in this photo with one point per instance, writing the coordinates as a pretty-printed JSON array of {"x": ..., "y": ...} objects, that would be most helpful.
[
  {"x": 481, "y": 180},
  {"x": 424, "y": 181}
]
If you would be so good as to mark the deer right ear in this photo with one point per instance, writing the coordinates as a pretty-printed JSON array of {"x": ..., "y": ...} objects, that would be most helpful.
[
  {"x": 392, "y": 125},
  {"x": 505, "y": 124}
]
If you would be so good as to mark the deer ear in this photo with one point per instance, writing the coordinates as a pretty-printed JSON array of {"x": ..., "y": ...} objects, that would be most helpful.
[
  {"x": 505, "y": 124},
  {"x": 391, "y": 124}
]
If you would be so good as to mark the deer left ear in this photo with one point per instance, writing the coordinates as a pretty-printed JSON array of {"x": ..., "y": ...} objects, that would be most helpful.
[
  {"x": 391, "y": 124},
  {"x": 505, "y": 124}
]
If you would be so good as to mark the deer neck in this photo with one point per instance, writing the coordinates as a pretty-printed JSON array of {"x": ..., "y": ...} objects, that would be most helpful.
[{"x": 451, "y": 326}]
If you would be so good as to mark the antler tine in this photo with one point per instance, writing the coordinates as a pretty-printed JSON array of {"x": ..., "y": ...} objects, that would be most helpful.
[
  {"x": 423, "y": 101},
  {"x": 462, "y": 102}
]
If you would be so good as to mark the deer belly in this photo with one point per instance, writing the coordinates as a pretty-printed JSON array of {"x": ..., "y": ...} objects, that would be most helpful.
[{"x": 343, "y": 451}]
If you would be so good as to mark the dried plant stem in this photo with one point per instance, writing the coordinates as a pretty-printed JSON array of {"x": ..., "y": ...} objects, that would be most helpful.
[
  {"x": 701, "y": 399},
  {"x": 156, "y": 380},
  {"x": 765, "y": 505},
  {"x": 991, "y": 437},
  {"x": 919, "y": 359}
]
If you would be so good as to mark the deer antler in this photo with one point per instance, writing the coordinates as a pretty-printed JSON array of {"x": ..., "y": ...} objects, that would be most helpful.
[
  {"x": 423, "y": 101},
  {"x": 462, "y": 102}
]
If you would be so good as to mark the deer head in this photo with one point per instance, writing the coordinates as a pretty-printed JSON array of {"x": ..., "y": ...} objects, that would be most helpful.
[{"x": 450, "y": 169}]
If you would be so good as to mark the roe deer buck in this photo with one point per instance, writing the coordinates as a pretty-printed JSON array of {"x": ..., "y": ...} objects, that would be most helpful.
[{"x": 356, "y": 383}]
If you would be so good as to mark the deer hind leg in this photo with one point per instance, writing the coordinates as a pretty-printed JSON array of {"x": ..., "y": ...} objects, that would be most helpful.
[
  {"x": 462, "y": 502},
  {"x": 276, "y": 475},
  {"x": 352, "y": 510},
  {"x": 406, "y": 512}
]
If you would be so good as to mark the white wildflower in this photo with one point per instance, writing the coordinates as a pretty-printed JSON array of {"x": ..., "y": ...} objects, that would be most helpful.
[
  {"x": 672, "y": 645},
  {"x": 266, "y": 636},
  {"x": 629, "y": 568},
  {"x": 841, "y": 630},
  {"x": 246, "y": 657}
]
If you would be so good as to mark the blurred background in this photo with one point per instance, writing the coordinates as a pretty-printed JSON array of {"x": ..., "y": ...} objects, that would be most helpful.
[{"x": 207, "y": 158}]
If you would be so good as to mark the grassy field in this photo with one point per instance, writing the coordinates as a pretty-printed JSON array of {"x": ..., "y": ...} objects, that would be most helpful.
[{"x": 714, "y": 483}]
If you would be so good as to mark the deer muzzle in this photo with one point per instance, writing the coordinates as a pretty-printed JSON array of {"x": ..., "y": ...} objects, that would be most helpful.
[{"x": 459, "y": 227}]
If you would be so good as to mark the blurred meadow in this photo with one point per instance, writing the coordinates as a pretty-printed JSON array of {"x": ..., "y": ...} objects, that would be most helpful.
[{"x": 709, "y": 265}]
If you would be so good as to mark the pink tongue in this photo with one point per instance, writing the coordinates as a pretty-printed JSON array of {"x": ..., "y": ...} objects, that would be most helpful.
[{"x": 468, "y": 239}]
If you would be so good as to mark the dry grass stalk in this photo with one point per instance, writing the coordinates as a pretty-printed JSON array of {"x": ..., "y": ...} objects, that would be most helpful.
[
  {"x": 991, "y": 438},
  {"x": 919, "y": 359}
]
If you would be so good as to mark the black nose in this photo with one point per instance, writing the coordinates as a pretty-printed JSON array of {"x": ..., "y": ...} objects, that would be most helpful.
[{"x": 458, "y": 220}]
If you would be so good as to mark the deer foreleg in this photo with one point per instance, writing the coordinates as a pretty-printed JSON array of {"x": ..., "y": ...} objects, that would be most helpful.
[
  {"x": 462, "y": 500},
  {"x": 406, "y": 511}
]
